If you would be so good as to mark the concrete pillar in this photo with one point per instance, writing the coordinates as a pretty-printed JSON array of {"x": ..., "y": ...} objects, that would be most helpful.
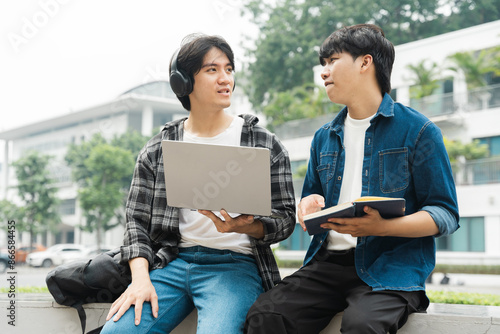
[
  {"x": 404, "y": 95},
  {"x": 147, "y": 120},
  {"x": 492, "y": 234},
  {"x": 5, "y": 171}
]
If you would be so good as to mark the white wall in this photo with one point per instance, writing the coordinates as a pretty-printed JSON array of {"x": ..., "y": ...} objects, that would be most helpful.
[{"x": 437, "y": 48}]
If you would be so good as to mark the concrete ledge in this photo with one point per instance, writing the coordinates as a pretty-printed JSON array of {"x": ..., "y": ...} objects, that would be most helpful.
[
  {"x": 444, "y": 319},
  {"x": 38, "y": 313}
]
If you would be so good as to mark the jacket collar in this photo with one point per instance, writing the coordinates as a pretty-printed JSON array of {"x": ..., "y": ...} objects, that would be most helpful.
[{"x": 386, "y": 109}]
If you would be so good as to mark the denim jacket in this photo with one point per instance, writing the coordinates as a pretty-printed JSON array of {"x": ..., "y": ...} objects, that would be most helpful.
[{"x": 404, "y": 156}]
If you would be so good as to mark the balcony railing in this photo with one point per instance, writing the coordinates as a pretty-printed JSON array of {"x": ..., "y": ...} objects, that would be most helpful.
[
  {"x": 446, "y": 104},
  {"x": 476, "y": 172}
]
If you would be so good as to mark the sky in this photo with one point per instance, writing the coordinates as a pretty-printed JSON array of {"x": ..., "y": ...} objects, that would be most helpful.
[{"x": 59, "y": 56}]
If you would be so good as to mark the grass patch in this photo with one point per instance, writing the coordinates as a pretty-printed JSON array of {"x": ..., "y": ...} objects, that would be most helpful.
[
  {"x": 467, "y": 269},
  {"x": 27, "y": 289},
  {"x": 289, "y": 263},
  {"x": 464, "y": 298}
]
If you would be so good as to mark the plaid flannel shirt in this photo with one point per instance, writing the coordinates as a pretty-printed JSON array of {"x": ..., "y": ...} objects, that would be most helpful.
[{"x": 152, "y": 229}]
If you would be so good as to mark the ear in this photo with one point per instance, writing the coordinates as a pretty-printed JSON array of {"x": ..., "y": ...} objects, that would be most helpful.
[{"x": 366, "y": 62}]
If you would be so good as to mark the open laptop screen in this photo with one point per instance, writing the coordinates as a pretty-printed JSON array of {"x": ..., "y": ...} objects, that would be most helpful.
[{"x": 215, "y": 177}]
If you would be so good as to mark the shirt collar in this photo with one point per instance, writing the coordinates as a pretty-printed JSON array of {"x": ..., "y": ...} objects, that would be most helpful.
[{"x": 386, "y": 109}]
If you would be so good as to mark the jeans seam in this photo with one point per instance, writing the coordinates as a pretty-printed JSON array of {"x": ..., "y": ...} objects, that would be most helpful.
[{"x": 155, "y": 320}]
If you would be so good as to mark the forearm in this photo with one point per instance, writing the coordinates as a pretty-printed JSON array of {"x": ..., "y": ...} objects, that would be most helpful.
[
  {"x": 139, "y": 268},
  {"x": 255, "y": 229},
  {"x": 418, "y": 224}
]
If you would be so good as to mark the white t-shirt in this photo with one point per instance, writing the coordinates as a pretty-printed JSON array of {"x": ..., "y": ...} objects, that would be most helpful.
[
  {"x": 197, "y": 229},
  {"x": 354, "y": 144}
]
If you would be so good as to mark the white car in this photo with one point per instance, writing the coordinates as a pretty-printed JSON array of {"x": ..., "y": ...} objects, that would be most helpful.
[{"x": 56, "y": 255}]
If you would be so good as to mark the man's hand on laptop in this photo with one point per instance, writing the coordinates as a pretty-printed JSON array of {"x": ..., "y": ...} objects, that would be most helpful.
[{"x": 240, "y": 224}]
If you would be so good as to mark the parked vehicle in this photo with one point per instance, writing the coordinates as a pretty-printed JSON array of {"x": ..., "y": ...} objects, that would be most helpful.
[
  {"x": 23, "y": 251},
  {"x": 93, "y": 251},
  {"x": 56, "y": 255}
]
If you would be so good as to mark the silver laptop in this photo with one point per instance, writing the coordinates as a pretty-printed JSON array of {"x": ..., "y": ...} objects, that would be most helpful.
[{"x": 214, "y": 177}]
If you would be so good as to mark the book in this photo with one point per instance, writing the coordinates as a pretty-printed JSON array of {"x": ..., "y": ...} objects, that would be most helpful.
[{"x": 388, "y": 207}]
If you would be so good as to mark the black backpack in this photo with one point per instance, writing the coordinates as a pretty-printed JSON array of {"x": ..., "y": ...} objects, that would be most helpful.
[{"x": 99, "y": 280}]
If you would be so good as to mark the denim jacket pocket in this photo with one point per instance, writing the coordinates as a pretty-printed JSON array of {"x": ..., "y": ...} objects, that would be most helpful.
[
  {"x": 393, "y": 170},
  {"x": 326, "y": 167}
]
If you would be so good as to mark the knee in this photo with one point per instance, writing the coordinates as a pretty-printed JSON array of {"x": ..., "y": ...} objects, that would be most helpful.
[
  {"x": 269, "y": 314},
  {"x": 260, "y": 323},
  {"x": 110, "y": 328}
]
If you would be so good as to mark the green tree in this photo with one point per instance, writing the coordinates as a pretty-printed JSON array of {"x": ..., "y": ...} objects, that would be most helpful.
[
  {"x": 468, "y": 13},
  {"x": 305, "y": 101},
  {"x": 132, "y": 141},
  {"x": 76, "y": 156},
  {"x": 291, "y": 32},
  {"x": 301, "y": 171},
  {"x": 470, "y": 151},
  {"x": 425, "y": 78},
  {"x": 40, "y": 206},
  {"x": 9, "y": 211},
  {"x": 103, "y": 170},
  {"x": 103, "y": 192},
  {"x": 476, "y": 65}
]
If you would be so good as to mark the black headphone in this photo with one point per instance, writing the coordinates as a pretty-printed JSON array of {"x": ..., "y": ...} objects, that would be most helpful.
[{"x": 180, "y": 82}]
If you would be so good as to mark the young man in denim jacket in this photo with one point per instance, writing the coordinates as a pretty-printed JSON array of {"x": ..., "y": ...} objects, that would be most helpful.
[
  {"x": 182, "y": 259},
  {"x": 373, "y": 269}
]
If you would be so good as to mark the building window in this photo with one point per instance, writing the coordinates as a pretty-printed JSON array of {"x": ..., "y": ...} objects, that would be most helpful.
[
  {"x": 394, "y": 94},
  {"x": 468, "y": 238},
  {"x": 299, "y": 240},
  {"x": 67, "y": 207},
  {"x": 160, "y": 119},
  {"x": 493, "y": 145},
  {"x": 65, "y": 237}
]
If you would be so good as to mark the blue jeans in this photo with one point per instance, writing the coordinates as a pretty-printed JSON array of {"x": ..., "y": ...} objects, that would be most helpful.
[{"x": 221, "y": 284}]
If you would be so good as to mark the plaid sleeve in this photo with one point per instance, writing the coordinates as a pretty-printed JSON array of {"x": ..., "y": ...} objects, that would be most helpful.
[
  {"x": 283, "y": 205},
  {"x": 137, "y": 242},
  {"x": 282, "y": 196}
]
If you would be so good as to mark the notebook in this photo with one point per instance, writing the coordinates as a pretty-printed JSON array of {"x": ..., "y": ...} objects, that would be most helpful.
[{"x": 214, "y": 177}]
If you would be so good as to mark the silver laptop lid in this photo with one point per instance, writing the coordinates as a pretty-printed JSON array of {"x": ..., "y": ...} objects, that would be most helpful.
[{"x": 214, "y": 177}]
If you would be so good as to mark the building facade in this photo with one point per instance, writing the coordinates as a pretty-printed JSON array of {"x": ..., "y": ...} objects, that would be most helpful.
[{"x": 143, "y": 108}]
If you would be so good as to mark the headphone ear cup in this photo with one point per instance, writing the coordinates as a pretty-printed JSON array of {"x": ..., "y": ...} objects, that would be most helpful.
[{"x": 180, "y": 83}]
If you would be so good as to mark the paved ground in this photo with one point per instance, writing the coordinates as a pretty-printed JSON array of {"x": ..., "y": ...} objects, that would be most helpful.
[{"x": 490, "y": 284}]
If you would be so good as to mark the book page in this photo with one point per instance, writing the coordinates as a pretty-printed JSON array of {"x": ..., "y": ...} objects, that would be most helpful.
[
  {"x": 332, "y": 209},
  {"x": 374, "y": 198}
]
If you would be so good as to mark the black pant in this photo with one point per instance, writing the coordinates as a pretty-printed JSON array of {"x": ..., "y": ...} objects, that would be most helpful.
[{"x": 306, "y": 301}]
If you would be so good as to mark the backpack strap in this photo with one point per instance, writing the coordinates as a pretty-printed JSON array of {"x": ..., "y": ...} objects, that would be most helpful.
[{"x": 81, "y": 314}]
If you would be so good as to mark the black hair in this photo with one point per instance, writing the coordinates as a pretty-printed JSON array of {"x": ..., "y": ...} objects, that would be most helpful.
[
  {"x": 190, "y": 57},
  {"x": 359, "y": 40}
]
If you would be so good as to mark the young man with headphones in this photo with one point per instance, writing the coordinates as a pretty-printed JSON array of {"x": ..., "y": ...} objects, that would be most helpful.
[{"x": 182, "y": 259}]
